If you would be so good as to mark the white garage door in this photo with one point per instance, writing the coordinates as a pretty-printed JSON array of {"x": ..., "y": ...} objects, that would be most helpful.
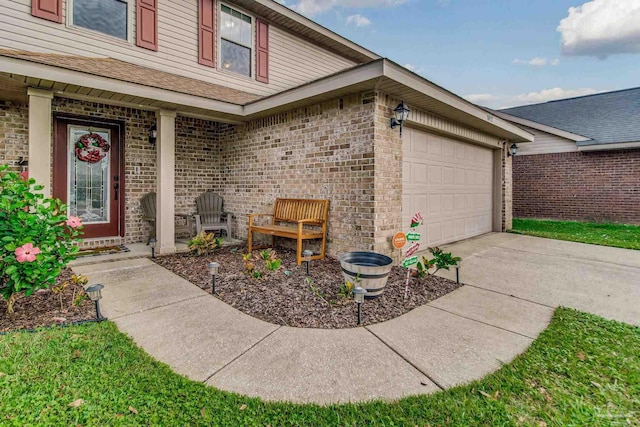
[{"x": 450, "y": 183}]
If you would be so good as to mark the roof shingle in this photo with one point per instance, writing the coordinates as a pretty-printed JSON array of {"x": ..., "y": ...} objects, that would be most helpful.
[
  {"x": 127, "y": 72},
  {"x": 606, "y": 118}
]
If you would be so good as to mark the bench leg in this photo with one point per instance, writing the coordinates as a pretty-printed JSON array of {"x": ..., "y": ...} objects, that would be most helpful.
[
  {"x": 249, "y": 240},
  {"x": 299, "y": 252},
  {"x": 322, "y": 247}
]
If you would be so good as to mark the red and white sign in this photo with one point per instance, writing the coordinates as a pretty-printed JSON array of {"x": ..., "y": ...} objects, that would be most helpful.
[{"x": 412, "y": 250}]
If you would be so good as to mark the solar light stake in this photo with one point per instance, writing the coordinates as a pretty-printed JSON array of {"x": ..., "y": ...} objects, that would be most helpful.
[
  {"x": 95, "y": 294},
  {"x": 358, "y": 296},
  {"x": 152, "y": 243},
  {"x": 307, "y": 254},
  {"x": 458, "y": 265},
  {"x": 213, "y": 269}
]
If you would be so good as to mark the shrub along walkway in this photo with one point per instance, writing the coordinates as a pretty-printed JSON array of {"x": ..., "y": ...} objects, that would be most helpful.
[{"x": 455, "y": 339}]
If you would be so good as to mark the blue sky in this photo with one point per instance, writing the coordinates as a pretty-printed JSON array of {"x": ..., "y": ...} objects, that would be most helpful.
[{"x": 497, "y": 53}]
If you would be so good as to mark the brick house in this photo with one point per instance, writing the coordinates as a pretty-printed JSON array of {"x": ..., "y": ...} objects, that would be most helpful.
[
  {"x": 584, "y": 164},
  {"x": 248, "y": 99}
]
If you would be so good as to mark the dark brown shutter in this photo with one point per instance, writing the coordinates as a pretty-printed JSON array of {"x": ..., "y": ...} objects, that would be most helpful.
[
  {"x": 50, "y": 10},
  {"x": 207, "y": 32},
  {"x": 147, "y": 24},
  {"x": 262, "y": 51}
]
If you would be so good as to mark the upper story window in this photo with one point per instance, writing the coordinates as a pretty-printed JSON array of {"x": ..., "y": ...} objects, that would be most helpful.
[
  {"x": 236, "y": 41},
  {"x": 105, "y": 16}
]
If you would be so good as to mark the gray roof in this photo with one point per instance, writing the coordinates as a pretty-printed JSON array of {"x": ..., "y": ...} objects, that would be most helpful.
[{"x": 606, "y": 118}]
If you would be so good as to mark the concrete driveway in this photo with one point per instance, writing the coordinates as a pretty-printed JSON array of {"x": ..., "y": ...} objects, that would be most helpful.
[{"x": 597, "y": 279}]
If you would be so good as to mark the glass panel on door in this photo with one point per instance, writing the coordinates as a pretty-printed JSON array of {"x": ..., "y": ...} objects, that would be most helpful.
[{"x": 89, "y": 166}]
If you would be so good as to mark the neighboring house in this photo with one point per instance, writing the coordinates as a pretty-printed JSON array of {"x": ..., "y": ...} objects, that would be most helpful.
[
  {"x": 584, "y": 163},
  {"x": 250, "y": 100}
]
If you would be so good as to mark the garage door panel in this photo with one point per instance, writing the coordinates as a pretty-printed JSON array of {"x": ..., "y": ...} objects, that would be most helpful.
[
  {"x": 435, "y": 174},
  {"x": 420, "y": 174},
  {"x": 450, "y": 183}
]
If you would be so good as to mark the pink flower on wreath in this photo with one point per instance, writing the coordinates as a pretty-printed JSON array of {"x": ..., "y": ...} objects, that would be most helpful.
[
  {"x": 26, "y": 253},
  {"x": 74, "y": 222}
]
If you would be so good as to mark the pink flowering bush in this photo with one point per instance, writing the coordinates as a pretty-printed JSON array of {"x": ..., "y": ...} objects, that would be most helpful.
[{"x": 37, "y": 239}]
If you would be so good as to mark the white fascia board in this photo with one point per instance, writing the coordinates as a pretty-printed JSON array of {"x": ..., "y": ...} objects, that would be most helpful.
[
  {"x": 77, "y": 78},
  {"x": 294, "y": 16},
  {"x": 338, "y": 81},
  {"x": 539, "y": 126},
  {"x": 414, "y": 81},
  {"x": 606, "y": 147}
]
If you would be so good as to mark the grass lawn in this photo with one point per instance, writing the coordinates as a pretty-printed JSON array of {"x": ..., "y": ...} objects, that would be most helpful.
[
  {"x": 583, "y": 370},
  {"x": 617, "y": 235}
]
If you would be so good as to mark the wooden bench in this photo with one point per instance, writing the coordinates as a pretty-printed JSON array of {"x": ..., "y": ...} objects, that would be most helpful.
[{"x": 309, "y": 217}]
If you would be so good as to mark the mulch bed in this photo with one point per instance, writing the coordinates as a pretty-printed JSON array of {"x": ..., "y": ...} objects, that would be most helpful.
[
  {"x": 43, "y": 308},
  {"x": 285, "y": 297}
]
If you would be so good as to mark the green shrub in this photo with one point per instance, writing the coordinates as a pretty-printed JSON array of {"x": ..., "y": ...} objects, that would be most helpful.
[
  {"x": 37, "y": 239},
  {"x": 440, "y": 261},
  {"x": 205, "y": 243}
]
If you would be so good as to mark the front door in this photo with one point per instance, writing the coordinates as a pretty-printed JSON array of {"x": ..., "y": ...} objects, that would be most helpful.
[{"x": 88, "y": 174}]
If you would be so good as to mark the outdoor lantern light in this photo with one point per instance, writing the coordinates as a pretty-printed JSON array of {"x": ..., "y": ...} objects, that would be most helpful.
[
  {"x": 458, "y": 265},
  {"x": 153, "y": 134},
  {"x": 152, "y": 243},
  {"x": 94, "y": 292},
  {"x": 307, "y": 258},
  {"x": 213, "y": 269},
  {"x": 358, "y": 296},
  {"x": 513, "y": 150},
  {"x": 401, "y": 114}
]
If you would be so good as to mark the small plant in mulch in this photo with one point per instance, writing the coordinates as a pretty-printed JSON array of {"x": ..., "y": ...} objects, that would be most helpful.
[
  {"x": 257, "y": 266},
  {"x": 441, "y": 261},
  {"x": 205, "y": 244},
  {"x": 77, "y": 283}
]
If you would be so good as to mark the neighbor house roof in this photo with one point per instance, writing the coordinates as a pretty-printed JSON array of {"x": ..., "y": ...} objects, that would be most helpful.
[{"x": 603, "y": 118}]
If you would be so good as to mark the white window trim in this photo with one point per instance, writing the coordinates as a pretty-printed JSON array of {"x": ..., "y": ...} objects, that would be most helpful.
[
  {"x": 252, "y": 55},
  {"x": 130, "y": 21}
]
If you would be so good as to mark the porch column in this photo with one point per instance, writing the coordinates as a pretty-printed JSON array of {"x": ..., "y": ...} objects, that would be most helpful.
[
  {"x": 40, "y": 137},
  {"x": 165, "y": 209}
]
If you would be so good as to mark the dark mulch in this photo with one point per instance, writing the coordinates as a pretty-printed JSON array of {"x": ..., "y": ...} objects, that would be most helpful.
[
  {"x": 288, "y": 299},
  {"x": 43, "y": 308}
]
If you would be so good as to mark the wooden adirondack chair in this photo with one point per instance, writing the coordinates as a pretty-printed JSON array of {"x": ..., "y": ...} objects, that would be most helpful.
[
  {"x": 148, "y": 204},
  {"x": 210, "y": 214}
]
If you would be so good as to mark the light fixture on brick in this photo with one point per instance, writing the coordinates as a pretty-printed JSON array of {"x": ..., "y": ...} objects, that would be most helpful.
[
  {"x": 153, "y": 134},
  {"x": 401, "y": 114},
  {"x": 513, "y": 150}
]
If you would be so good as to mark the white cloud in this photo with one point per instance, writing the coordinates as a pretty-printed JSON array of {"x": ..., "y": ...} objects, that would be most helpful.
[
  {"x": 537, "y": 61},
  {"x": 314, "y": 7},
  {"x": 358, "y": 20},
  {"x": 500, "y": 101},
  {"x": 479, "y": 98},
  {"x": 601, "y": 28},
  {"x": 410, "y": 67},
  {"x": 553, "y": 94}
]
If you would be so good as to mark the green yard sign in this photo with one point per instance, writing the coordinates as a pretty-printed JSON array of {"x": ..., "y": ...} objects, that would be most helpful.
[
  {"x": 413, "y": 237},
  {"x": 410, "y": 261}
]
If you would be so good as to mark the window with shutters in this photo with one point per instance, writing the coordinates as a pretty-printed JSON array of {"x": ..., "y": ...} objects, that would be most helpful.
[
  {"x": 109, "y": 17},
  {"x": 236, "y": 41}
]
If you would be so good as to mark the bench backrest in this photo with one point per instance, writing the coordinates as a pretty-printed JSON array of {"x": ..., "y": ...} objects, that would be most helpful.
[{"x": 296, "y": 209}]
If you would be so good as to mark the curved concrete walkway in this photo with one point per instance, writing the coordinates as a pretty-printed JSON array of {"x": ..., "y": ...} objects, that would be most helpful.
[{"x": 453, "y": 340}]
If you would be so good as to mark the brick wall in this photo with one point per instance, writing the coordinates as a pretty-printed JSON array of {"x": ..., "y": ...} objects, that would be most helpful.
[
  {"x": 14, "y": 133},
  {"x": 388, "y": 178},
  {"x": 582, "y": 186},
  {"x": 324, "y": 151}
]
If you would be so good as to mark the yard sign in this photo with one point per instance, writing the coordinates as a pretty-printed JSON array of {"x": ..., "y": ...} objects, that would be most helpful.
[{"x": 400, "y": 240}]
